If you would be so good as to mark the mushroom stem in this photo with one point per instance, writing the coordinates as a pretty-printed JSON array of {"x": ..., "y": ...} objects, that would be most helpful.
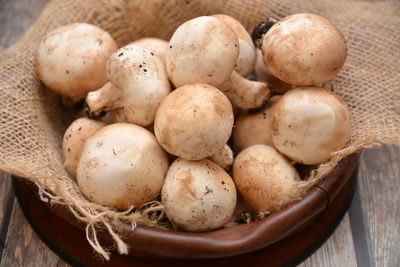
[
  {"x": 106, "y": 98},
  {"x": 244, "y": 93}
]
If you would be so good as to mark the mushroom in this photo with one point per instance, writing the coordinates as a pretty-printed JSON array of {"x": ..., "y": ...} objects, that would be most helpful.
[
  {"x": 264, "y": 75},
  {"x": 247, "y": 51},
  {"x": 255, "y": 128},
  {"x": 242, "y": 213},
  {"x": 142, "y": 77},
  {"x": 205, "y": 50},
  {"x": 243, "y": 93},
  {"x": 223, "y": 157},
  {"x": 74, "y": 139},
  {"x": 106, "y": 98},
  {"x": 202, "y": 50},
  {"x": 122, "y": 165},
  {"x": 198, "y": 195},
  {"x": 304, "y": 49},
  {"x": 71, "y": 60},
  {"x": 155, "y": 45},
  {"x": 194, "y": 121},
  {"x": 114, "y": 116},
  {"x": 309, "y": 124},
  {"x": 265, "y": 178}
]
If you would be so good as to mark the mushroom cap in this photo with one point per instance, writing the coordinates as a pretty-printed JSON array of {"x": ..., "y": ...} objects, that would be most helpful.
[
  {"x": 202, "y": 50},
  {"x": 194, "y": 121},
  {"x": 252, "y": 129},
  {"x": 247, "y": 51},
  {"x": 74, "y": 140},
  {"x": 156, "y": 45},
  {"x": 142, "y": 77},
  {"x": 198, "y": 195},
  {"x": 71, "y": 60},
  {"x": 114, "y": 116},
  {"x": 309, "y": 124},
  {"x": 122, "y": 165},
  {"x": 223, "y": 157},
  {"x": 304, "y": 49},
  {"x": 264, "y": 178},
  {"x": 264, "y": 75}
]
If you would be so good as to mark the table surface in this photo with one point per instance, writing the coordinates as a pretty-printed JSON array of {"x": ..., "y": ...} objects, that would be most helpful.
[{"x": 367, "y": 236}]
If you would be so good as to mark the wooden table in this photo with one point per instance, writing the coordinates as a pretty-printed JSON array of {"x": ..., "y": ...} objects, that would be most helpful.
[{"x": 368, "y": 235}]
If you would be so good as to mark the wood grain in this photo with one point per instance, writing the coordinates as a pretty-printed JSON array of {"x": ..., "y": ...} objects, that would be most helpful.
[
  {"x": 15, "y": 18},
  {"x": 23, "y": 247},
  {"x": 6, "y": 198},
  {"x": 337, "y": 251},
  {"x": 5, "y": 192},
  {"x": 379, "y": 184}
]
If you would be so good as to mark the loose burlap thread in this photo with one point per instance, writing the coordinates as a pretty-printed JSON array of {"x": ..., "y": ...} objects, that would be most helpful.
[{"x": 33, "y": 122}]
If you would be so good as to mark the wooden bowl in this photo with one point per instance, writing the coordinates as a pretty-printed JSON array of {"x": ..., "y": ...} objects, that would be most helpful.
[{"x": 156, "y": 243}]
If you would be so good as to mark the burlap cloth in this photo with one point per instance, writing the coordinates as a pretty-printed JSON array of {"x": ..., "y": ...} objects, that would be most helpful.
[{"x": 33, "y": 122}]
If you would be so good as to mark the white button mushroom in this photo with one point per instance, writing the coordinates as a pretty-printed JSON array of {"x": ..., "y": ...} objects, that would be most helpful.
[
  {"x": 122, "y": 165},
  {"x": 205, "y": 49},
  {"x": 198, "y": 195},
  {"x": 71, "y": 60},
  {"x": 194, "y": 121},
  {"x": 245, "y": 94},
  {"x": 114, "y": 116},
  {"x": 265, "y": 178},
  {"x": 106, "y": 98},
  {"x": 142, "y": 77},
  {"x": 309, "y": 124},
  {"x": 202, "y": 50},
  {"x": 74, "y": 140},
  {"x": 304, "y": 49},
  {"x": 264, "y": 75},
  {"x": 155, "y": 45},
  {"x": 247, "y": 51},
  {"x": 223, "y": 157},
  {"x": 252, "y": 129}
]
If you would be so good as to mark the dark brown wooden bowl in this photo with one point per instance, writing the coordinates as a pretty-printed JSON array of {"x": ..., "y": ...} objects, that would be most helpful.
[{"x": 156, "y": 243}]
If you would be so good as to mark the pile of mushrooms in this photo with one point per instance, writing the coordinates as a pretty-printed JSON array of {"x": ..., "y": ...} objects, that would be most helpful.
[{"x": 181, "y": 120}]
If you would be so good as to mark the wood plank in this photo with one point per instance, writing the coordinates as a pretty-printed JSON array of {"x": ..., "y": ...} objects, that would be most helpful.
[
  {"x": 6, "y": 201},
  {"x": 5, "y": 191},
  {"x": 379, "y": 184},
  {"x": 23, "y": 246},
  {"x": 337, "y": 251},
  {"x": 15, "y": 18}
]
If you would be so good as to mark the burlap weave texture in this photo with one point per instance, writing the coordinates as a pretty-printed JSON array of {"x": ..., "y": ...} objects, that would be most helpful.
[{"x": 33, "y": 122}]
